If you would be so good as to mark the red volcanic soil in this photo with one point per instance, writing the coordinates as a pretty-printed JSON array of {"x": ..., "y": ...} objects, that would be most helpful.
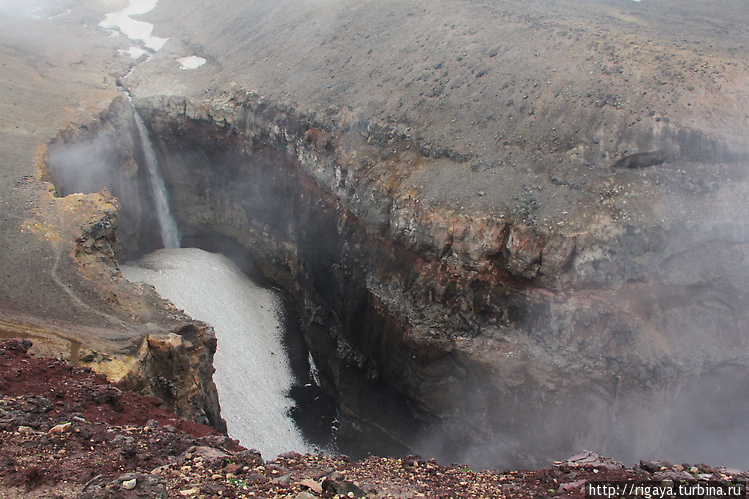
[
  {"x": 65, "y": 432},
  {"x": 79, "y": 392}
]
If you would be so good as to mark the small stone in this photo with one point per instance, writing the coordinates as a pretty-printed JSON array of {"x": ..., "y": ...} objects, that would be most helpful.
[
  {"x": 190, "y": 492},
  {"x": 60, "y": 428},
  {"x": 25, "y": 429},
  {"x": 568, "y": 487},
  {"x": 129, "y": 484},
  {"x": 312, "y": 485},
  {"x": 283, "y": 481},
  {"x": 649, "y": 466}
]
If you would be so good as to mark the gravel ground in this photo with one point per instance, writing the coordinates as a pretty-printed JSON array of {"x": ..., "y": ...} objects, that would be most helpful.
[{"x": 65, "y": 432}]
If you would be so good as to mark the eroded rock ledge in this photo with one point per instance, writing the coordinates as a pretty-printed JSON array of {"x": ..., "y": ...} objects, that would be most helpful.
[{"x": 126, "y": 332}]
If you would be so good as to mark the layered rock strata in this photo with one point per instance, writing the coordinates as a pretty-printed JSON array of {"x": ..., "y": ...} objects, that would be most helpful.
[
  {"x": 471, "y": 336},
  {"x": 501, "y": 251}
]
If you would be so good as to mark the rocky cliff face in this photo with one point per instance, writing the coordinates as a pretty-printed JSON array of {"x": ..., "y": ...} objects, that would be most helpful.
[
  {"x": 506, "y": 264},
  {"x": 142, "y": 342},
  {"x": 177, "y": 367},
  {"x": 440, "y": 331}
]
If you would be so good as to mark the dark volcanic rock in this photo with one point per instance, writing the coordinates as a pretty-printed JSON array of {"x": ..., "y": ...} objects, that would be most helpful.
[{"x": 492, "y": 269}]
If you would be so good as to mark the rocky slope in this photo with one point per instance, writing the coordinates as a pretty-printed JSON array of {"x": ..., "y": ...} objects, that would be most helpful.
[
  {"x": 60, "y": 285},
  {"x": 67, "y": 433}
]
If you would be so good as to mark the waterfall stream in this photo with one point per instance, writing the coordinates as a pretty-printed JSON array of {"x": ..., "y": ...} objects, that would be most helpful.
[
  {"x": 167, "y": 224},
  {"x": 252, "y": 375}
]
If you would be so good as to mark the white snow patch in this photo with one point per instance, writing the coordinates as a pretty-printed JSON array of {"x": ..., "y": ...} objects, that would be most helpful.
[
  {"x": 191, "y": 62},
  {"x": 135, "y": 30},
  {"x": 252, "y": 375}
]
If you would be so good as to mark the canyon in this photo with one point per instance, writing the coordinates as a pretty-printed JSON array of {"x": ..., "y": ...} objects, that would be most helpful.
[{"x": 499, "y": 252}]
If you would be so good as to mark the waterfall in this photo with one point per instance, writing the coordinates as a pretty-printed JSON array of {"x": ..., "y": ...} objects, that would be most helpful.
[
  {"x": 253, "y": 376},
  {"x": 139, "y": 30},
  {"x": 167, "y": 224}
]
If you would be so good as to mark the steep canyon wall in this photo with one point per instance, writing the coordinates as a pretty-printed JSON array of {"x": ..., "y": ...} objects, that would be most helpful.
[{"x": 471, "y": 335}]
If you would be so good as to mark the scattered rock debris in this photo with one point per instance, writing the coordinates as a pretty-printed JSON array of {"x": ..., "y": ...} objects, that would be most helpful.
[{"x": 67, "y": 433}]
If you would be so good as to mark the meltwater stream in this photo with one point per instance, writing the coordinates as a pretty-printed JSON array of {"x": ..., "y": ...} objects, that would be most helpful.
[
  {"x": 167, "y": 224},
  {"x": 253, "y": 375}
]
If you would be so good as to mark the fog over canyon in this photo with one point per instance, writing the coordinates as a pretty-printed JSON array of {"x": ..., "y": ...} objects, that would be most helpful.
[{"x": 494, "y": 233}]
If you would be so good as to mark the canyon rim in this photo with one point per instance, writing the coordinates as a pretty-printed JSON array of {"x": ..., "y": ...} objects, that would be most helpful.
[{"x": 510, "y": 230}]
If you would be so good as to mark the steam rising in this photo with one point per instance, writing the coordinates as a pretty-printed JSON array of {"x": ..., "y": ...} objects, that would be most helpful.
[{"x": 631, "y": 419}]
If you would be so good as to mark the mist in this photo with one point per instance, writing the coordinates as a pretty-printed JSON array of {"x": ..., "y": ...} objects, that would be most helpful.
[
  {"x": 514, "y": 258},
  {"x": 33, "y": 9}
]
